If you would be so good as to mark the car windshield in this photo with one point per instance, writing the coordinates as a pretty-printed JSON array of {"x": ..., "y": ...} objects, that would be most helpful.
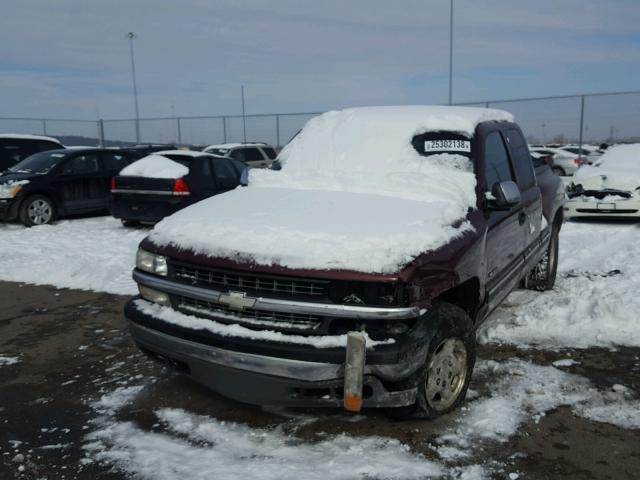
[
  {"x": 218, "y": 151},
  {"x": 38, "y": 163}
]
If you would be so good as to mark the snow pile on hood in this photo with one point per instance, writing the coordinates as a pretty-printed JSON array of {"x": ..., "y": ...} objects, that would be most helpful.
[
  {"x": 352, "y": 194},
  {"x": 155, "y": 166},
  {"x": 617, "y": 168}
]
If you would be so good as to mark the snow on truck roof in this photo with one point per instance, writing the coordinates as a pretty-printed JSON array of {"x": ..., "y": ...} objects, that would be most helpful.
[{"x": 353, "y": 193}]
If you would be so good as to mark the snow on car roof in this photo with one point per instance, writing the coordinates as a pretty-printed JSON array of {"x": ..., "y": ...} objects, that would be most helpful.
[
  {"x": 353, "y": 193},
  {"x": 229, "y": 146},
  {"x": 22, "y": 136},
  {"x": 186, "y": 153}
]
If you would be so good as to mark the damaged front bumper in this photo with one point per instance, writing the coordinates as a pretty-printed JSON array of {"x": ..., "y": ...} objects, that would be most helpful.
[{"x": 281, "y": 374}]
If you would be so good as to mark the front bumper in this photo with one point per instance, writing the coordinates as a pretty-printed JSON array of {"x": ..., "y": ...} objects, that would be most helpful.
[
  {"x": 8, "y": 209},
  {"x": 584, "y": 206},
  {"x": 279, "y": 374}
]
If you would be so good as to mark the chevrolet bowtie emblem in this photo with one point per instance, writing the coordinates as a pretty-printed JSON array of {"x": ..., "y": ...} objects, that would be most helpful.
[{"x": 237, "y": 300}]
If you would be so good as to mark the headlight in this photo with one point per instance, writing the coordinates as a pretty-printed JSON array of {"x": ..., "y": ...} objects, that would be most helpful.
[
  {"x": 152, "y": 263},
  {"x": 9, "y": 190}
]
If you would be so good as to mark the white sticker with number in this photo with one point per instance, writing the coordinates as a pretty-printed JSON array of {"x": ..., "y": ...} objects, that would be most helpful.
[{"x": 447, "y": 146}]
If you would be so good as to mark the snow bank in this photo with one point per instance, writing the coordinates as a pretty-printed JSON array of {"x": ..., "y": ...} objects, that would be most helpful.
[
  {"x": 618, "y": 167},
  {"x": 155, "y": 166},
  {"x": 170, "y": 315},
  {"x": 88, "y": 254},
  {"x": 594, "y": 302},
  {"x": 352, "y": 194}
]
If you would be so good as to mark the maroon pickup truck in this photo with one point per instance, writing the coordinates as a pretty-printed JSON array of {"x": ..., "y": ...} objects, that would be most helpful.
[{"x": 328, "y": 313}]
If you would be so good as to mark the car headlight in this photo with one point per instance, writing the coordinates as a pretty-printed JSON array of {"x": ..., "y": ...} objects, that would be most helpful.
[
  {"x": 152, "y": 263},
  {"x": 9, "y": 190}
]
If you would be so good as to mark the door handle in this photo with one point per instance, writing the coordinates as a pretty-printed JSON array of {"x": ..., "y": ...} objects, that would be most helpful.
[{"x": 522, "y": 217}]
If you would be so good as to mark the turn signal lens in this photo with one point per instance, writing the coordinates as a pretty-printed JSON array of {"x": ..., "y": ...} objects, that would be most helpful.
[{"x": 113, "y": 183}]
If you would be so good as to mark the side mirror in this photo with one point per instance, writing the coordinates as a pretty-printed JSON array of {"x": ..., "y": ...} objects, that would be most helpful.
[{"x": 505, "y": 194}]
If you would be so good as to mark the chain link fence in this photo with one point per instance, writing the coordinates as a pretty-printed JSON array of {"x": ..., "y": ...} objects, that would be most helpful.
[{"x": 589, "y": 118}]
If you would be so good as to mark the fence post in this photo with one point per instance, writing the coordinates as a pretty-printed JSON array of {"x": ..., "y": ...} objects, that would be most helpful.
[
  {"x": 581, "y": 125},
  {"x": 486, "y": 105},
  {"x": 179, "y": 131},
  {"x": 101, "y": 133},
  {"x": 224, "y": 129},
  {"x": 278, "y": 131},
  {"x": 44, "y": 126}
]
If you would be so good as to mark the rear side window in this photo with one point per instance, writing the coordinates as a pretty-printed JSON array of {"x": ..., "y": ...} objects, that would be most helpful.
[
  {"x": 497, "y": 168},
  {"x": 17, "y": 149},
  {"x": 44, "y": 146},
  {"x": 521, "y": 159},
  {"x": 271, "y": 153},
  {"x": 81, "y": 164},
  {"x": 114, "y": 161},
  {"x": 226, "y": 175},
  {"x": 253, "y": 155}
]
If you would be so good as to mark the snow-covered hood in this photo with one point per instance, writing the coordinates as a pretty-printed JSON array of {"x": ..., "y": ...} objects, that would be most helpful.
[
  {"x": 618, "y": 169},
  {"x": 353, "y": 193},
  {"x": 155, "y": 166},
  {"x": 311, "y": 229}
]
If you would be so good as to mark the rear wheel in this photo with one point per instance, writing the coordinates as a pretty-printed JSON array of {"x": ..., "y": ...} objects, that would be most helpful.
[
  {"x": 543, "y": 275},
  {"x": 443, "y": 380},
  {"x": 130, "y": 223},
  {"x": 37, "y": 210}
]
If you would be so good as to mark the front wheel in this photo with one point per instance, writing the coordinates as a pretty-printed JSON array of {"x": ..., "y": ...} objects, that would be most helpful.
[
  {"x": 37, "y": 210},
  {"x": 443, "y": 380},
  {"x": 543, "y": 276}
]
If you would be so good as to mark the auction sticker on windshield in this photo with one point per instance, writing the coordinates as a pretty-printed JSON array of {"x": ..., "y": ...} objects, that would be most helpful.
[{"x": 447, "y": 146}]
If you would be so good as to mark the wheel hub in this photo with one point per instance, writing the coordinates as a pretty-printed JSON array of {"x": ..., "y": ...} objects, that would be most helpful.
[
  {"x": 39, "y": 212},
  {"x": 446, "y": 373}
]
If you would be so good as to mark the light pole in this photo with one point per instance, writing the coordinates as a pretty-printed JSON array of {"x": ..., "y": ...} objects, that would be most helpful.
[
  {"x": 451, "y": 52},
  {"x": 131, "y": 36},
  {"x": 244, "y": 124}
]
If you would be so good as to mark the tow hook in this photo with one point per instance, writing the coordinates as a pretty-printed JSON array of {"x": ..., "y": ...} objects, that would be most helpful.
[{"x": 354, "y": 371}]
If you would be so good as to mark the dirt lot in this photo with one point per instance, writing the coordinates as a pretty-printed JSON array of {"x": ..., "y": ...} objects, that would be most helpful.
[{"x": 73, "y": 347}]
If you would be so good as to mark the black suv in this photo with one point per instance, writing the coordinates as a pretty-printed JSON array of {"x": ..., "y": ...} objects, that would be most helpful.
[
  {"x": 15, "y": 147},
  {"x": 57, "y": 183}
]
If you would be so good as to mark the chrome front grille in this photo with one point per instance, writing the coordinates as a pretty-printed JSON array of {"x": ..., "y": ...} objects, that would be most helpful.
[
  {"x": 228, "y": 279},
  {"x": 282, "y": 321}
]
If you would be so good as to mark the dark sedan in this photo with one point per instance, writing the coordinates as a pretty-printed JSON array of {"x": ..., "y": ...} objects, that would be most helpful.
[
  {"x": 142, "y": 195},
  {"x": 58, "y": 183}
]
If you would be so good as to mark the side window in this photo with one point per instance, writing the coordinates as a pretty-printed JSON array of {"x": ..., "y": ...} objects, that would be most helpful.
[
  {"x": 81, "y": 164},
  {"x": 521, "y": 159},
  {"x": 237, "y": 154},
  {"x": 18, "y": 150},
  {"x": 253, "y": 155},
  {"x": 226, "y": 175},
  {"x": 44, "y": 146},
  {"x": 496, "y": 160},
  {"x": 114, "y": 161},
  {"x": 271, "y": 153}
]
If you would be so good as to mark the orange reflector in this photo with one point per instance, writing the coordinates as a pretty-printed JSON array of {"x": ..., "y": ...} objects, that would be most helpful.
[{"x": 352, "y": 403}]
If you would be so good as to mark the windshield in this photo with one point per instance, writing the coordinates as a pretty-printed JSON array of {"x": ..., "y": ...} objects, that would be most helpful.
[
  {"x": 38, "y": 163},
  {"x": 217, "y": 151}
]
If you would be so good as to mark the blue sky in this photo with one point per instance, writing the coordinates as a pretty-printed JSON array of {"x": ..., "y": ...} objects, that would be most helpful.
[{"x": 70, "y": 58}]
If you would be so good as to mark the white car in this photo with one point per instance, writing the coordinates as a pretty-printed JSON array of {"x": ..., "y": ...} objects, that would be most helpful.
[
  {"x": 564, "y": 162},
  {"x": 608, "y": 188},
  {"x": 588, "y": 152},
  {"x": 256, "y": 155}
]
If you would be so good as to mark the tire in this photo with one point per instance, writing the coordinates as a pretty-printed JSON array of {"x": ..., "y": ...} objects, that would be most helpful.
[
  {"x": 37, "y": 210},
  {"x": 443, "y": 380},
  {"x": 558, "y": 171},
  {"x": 543, "y": 276},
  {"x": 130, "y": 223}
]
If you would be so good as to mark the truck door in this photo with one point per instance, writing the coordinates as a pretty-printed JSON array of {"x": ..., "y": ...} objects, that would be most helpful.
[
  {"x": 505, "y": 227},
  {"x": 531, "y": 195}
]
